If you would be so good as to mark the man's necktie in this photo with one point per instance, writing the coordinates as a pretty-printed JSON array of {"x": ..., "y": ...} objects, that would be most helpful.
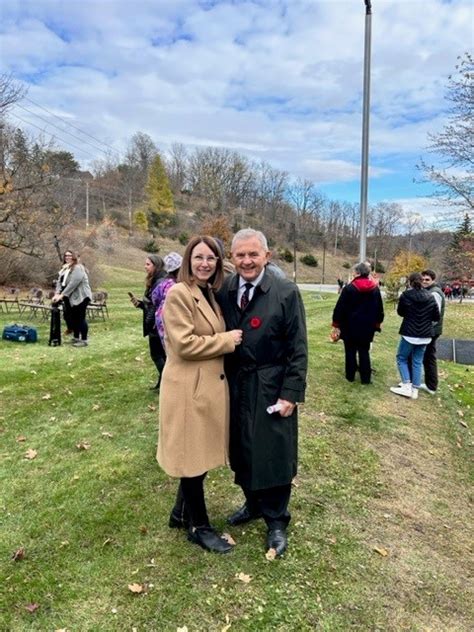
[{"x": 245, "y": 298}]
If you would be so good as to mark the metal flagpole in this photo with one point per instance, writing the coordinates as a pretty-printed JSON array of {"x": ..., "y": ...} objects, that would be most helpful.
[{"x": 365, "y": 134}]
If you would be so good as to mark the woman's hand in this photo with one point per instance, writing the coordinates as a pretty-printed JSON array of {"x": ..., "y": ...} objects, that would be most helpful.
[
  {"x": 135, "y": 301},
  {"x": 237, "y": 336},
  {"x": 56, "y": 298}
]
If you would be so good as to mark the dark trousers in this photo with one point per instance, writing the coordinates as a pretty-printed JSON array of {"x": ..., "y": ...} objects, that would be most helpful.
[
  {"x": 190, "y": 499},
  {"x": 157, "y": 354},
  {"x": 272, "y": 503},
  {"x": 80, "y": 328},
  {"x": 352, "y": 349},
  {"x": 67, "y": 313},
  {"x": 430, "y": 365}
]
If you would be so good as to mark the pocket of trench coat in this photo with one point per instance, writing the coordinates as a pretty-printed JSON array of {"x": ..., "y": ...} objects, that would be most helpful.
[{"x": 197, "y": 384}]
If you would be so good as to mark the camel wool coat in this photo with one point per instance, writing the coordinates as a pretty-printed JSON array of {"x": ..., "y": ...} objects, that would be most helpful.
[{"x": 194, "y": 397}]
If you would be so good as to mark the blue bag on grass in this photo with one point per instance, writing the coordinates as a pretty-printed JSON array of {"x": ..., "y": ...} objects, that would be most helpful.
[{"x": 20, "y": 333}]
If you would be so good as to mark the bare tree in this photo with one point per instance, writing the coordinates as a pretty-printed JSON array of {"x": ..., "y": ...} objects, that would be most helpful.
[
  {"x": 10, "y": 92},
  {"x": 453, "y": 175}
]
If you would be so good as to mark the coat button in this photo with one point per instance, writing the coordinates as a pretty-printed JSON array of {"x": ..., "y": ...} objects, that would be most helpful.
[{"x": 222, "y": 376}]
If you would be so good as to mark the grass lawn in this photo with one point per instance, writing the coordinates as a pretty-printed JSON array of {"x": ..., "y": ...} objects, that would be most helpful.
[{"x": 380, "y": 537}]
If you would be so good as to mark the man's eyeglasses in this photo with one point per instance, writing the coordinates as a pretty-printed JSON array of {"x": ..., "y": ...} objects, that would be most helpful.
[
  {"x": 426, "y": 279},
  {"x": 200, "y": 259}
]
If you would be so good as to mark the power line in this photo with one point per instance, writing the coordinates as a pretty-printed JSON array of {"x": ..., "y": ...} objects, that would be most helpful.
[
  {"x": 61, "y": 129},
  {"x": 54, "y": 136},
  {"x": 72, "y": 125}
]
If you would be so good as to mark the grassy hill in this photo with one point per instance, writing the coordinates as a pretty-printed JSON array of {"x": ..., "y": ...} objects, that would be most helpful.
[{"x": 381, "y": 533}]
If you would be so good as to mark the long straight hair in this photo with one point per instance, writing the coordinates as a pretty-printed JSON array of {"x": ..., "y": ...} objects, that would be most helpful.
[{"x": 185, "y": 273}]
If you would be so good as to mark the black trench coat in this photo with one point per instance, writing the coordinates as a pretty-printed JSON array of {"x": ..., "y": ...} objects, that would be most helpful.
[{"x": 270, "y": 363}]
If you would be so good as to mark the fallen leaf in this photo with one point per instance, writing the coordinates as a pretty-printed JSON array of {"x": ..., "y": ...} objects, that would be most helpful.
[
  {"x": 68, "y": 392},
  {"x": 33, "y": 372},
  {"x": 228, "y": 538},
  {"x": 135, "y": 588},
  {"x": 83, "y": 445},
  {"x": 271, "y": 554},
  {"x": 47, "y": 396},
  {"x": 52, "y": 419},
  {"x": 151, "y": 407},
  {"x": 107, "y": 434},
  {"x": 31, "y": 454},
  {"x": 138, "y": 359},
  {"x": 96, "y": 407},
  {"x": 32, "y": 607},
  {"x": 381, "y": 551},
  {"x": 463, "y": 423},
  {"x": 460, "y": 413},
  {"x": 183, "y": 629},
  {"x": 21, "y": 438},
  {"x": 18, "y": 555},
  {"x": 143, "y": 529},
  {"x": 61, "y": 630},
  {"x": 226, "y": 627},
  {"x": 64, "y": 543},
  {"x": 243, "y": 578}
]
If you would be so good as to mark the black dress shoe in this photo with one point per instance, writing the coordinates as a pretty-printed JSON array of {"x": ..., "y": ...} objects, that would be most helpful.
[
  {"x": 277, "y": 540},
  {"x": 178, "y": 520},
  {"x": 209, "y": 540},
  {"x": 243, "y": 515}
]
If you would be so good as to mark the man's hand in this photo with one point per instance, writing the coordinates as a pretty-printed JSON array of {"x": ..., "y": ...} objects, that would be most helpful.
[{"x": 287, "y": 408}]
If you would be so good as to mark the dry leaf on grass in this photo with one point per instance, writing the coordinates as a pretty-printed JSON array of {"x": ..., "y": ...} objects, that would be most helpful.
[
  {"x": 143, "y": 529},
  {"x": 228, "y": 538},
  {"x": 183, "y": 629},
  {"x": 151, "y": 407},
  {"x": 83, "y": 445},
  {"x": 271, "y": 554},
  {"x": 32, "y": 607},
  {"x": 31, "y": 454},
  {"x": 96, "y": 407},
  {"x": 246, "y": 579},
  {"x": 460, "y": 413},
  {"x": 138, "y": 359},
  {"x": 135, "y": 588},
  {"x": 18, "y": 555},
  {"x": 21, "y": 438},
  {"x": 107, "y": 434},
  {"x": 463, "y": 423},
  {"x": 381, "y": 551},
  {"x": 47, "y": 396}
]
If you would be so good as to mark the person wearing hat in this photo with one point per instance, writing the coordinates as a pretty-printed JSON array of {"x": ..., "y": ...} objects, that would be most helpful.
[
  {"x": 154, "y": 268},
  {"x": 172, "y": 264}
]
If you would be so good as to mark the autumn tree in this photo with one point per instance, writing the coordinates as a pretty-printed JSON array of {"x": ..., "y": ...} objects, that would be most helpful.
[
  {"x": 453, "y": 174},
  {"x": 459, "y": 255},
  {"x": 402, "y": 266},
  {"x": 10, "y": 92},
  {"x": 160, "y": 203}
]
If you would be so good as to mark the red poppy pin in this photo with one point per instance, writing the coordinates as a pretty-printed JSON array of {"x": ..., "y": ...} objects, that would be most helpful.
[{"x": 255, "y": 322}]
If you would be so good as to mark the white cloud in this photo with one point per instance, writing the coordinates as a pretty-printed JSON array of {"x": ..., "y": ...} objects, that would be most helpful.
[{"x": 276, "y": 80}]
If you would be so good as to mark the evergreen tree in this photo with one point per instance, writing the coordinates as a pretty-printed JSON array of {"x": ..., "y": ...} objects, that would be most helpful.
[
  {"x": 160, "y": 205},
  {"x": 459, "y": 256}
]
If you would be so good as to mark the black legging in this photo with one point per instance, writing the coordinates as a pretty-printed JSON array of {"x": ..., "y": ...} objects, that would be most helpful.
[
  {"x": 80, "y": 328},
  {"x": 157, "y": 354},
  {"x": 192, "y": 490}
]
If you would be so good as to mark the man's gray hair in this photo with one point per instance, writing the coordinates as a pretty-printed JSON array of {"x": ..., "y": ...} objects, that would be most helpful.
[
  {"x": 363, "y": 269},
  {"x": 249, "y": 233}
]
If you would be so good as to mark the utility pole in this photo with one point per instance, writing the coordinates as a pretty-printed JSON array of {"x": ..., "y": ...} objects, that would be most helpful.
[
  {"x": 365, "y": 133},
  {"x": 87, "y": 204},
  {"x": 130, "y": 212},
  {"x": 294, "y": 251},
  {"x": 324, "y": 262}
]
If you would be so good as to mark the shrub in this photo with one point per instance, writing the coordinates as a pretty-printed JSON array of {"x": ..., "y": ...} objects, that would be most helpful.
[
  {"x": 287, "y": 256},
  {"x": 379, "y": 267},
  {"x": 151, "y": 246},
  {"x": 309, "y": 260},
  {"x": 346, "y": 265},
  {"x": 183, "y": 238}
]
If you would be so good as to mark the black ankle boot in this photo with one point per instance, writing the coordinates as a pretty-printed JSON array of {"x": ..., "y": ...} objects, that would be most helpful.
[{"x": 208, "y": 539}]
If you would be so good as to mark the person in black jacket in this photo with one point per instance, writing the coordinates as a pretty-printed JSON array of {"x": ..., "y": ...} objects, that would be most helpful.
[
  {"x": 154, "y": 268},
  {"x": 420, "y": 313},
  {"x": 358, "y": 315},
  {"x": 267, "y": 369}
]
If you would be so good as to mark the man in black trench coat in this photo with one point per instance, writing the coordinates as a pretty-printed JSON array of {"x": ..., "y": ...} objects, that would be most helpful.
[{"x": 268, "y": 368}]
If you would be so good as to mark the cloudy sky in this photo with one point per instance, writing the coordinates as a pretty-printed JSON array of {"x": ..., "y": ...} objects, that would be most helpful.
[{"x": 278, "y": 80}]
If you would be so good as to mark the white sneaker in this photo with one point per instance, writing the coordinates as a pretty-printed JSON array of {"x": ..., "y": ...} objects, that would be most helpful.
[
  {"x": 423, "y": 387},
  {"x": 405, "y": 390},
  {"x": 414, "y": 392}
]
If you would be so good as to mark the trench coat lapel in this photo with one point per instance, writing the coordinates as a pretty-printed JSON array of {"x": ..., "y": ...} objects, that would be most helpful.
[{"x": 206, "y": 310}]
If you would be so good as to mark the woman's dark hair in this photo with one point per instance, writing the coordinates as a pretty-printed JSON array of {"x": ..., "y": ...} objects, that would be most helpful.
[
  {"x": 151, "y": 276},
  {"x": 185, "y": 274},
  {"x": 74, "y": 258},
  {"x": 415, "y": 280}
]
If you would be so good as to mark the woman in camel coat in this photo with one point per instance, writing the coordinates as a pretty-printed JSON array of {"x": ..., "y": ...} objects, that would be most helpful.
[{"x": 194, "y": 401}]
